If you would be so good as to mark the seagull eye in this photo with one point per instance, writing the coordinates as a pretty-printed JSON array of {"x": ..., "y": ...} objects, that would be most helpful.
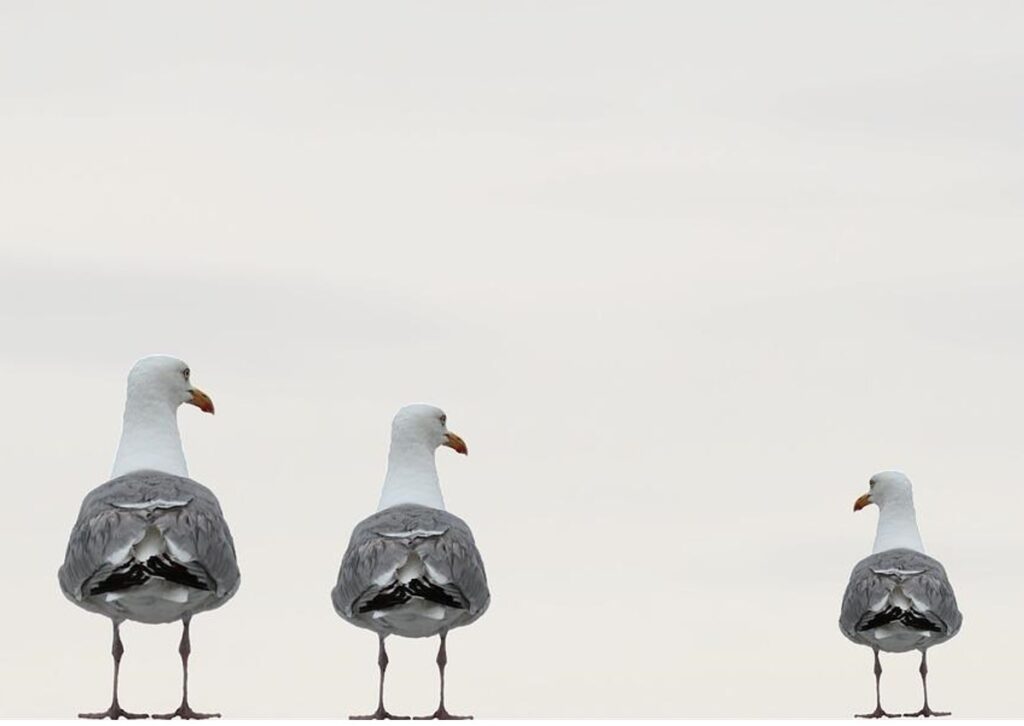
[
  {"x": 871, "y": 484},
  {"x": 185, "y": 373},
  {"x": 444, "y": 419}
]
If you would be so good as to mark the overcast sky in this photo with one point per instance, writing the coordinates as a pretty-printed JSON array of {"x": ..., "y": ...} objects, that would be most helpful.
[{"x": 683, "y": 275}]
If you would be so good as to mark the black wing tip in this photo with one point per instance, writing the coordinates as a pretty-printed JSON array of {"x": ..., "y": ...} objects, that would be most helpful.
[
  {"x": 910, "y": 618},
  {"x": 131, "y": 576},
  {"x": 401, "y": 593},
  {"x": 136, "y": 573},
  {"x": 919, "y": 622},
  {"x": 163, "y": 566},
  {"x": 386, "y": 599},
  {"x": 434, "y": 593}
]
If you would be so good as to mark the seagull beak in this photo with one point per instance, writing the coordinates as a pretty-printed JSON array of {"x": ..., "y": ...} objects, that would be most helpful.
[
  {"x": 201, "y": 401},
  {"x": 862, "y": 501},
  {"x": 455, "y": 442}
]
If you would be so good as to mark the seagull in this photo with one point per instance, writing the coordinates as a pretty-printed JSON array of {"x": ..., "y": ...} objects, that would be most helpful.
[
  {"x": 151, "y": 545},
  {"x": 412, "y": 569},
  {"x": 898, "y": 599}
]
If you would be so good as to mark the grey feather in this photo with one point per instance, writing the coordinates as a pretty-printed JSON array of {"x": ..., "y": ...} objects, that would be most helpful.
[
  {"x": 920, "y": 577},
  {"x": 115, "y": 515},
  {"x": 444, "y": 543}
]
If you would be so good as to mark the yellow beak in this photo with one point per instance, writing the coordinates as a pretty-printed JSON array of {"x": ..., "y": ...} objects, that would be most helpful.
[
  {"x": 201, "y": 401},
  {"x": 862, "y": 501},
  {"x": 455, "y": 442}
]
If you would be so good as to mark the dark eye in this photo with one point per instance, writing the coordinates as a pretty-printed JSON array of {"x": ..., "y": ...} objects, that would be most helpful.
[
  {"x": 871, "y": 484},
  {"x": 185, "y": 373},
  {"x": 444, "y": 419}
]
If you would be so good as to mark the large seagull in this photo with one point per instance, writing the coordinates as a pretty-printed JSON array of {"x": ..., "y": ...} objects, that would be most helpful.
[
  {"x": 151, "y": 545},
  {"x": 898, "y": 599}
]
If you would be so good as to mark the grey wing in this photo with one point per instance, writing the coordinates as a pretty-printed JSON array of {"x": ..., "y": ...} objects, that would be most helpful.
[
  {"x": 920, "y": 577},
  {"x": 116, "y": 515},
  {"x": 864, "y": 592},
  {"x": 199, "y": 538},
  {"x": 368, "y": 560},
  {"x": 932, "y": 593},
  {"x": 97, "y": 538},
  {"x": 383, "y": 542},
  {"x": 455, "y": 563}
]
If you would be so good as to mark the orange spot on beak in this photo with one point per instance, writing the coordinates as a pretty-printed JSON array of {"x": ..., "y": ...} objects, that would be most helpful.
[
  {"x": 455, "y": 442},
  {"x": 862, "y": 501},
  {"x": 201, "y": 401}
]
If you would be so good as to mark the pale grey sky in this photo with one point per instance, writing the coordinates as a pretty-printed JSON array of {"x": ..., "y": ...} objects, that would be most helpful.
[{"x": 683, "y": 275}]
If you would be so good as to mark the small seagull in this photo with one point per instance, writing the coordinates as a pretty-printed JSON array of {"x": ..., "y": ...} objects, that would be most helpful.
[
  {"x": 412, "y": 569},
  {"x": 898, "y": 599},
  {"x": 151, "y": 545}
]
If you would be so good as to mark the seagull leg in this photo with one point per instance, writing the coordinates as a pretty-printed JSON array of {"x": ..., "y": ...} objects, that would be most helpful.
[
  {"x": 878, "y": 712},
  {"x": 184, "y": 649},
  {"x": 381, "y": 713},
  {"x": 925, "y": 710},
  {"x": 115, "y": 711},
  {"x": 442, "y": 660}
]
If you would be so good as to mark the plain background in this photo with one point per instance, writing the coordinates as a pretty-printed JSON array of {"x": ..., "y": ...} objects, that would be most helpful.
[{"x": 683, "y": 275}]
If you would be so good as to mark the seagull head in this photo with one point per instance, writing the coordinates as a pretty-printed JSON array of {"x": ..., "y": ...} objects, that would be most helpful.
[
  {"x": 884, "y": 488},
  {"x": 427, "y": 425},
  {"x": 168, "y": 380}
]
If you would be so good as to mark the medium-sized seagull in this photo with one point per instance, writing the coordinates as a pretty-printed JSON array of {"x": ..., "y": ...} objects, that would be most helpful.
[
  {"x": 898, "y": 599},
  {"x": 151, "y": 545},
  {"x": 412, "y": 569}
]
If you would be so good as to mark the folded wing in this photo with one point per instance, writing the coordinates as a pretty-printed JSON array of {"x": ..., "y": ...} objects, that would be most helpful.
[
  {"x": 411, "y": 552},
  {"x": 899, "y": 592},
  {"x": 146, "y": 525}
]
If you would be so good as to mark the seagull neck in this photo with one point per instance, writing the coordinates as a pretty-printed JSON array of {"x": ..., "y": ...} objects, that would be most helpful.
[
  {"x": 897, "y": 527},
  {"x": 149, "y": 438},
  {"x": 412, "y": 477}
]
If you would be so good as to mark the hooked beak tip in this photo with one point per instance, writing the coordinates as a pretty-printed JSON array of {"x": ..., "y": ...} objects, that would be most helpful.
[
  {"x": 453, "y": 441},
  {"x": 201, "y": 401}
]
